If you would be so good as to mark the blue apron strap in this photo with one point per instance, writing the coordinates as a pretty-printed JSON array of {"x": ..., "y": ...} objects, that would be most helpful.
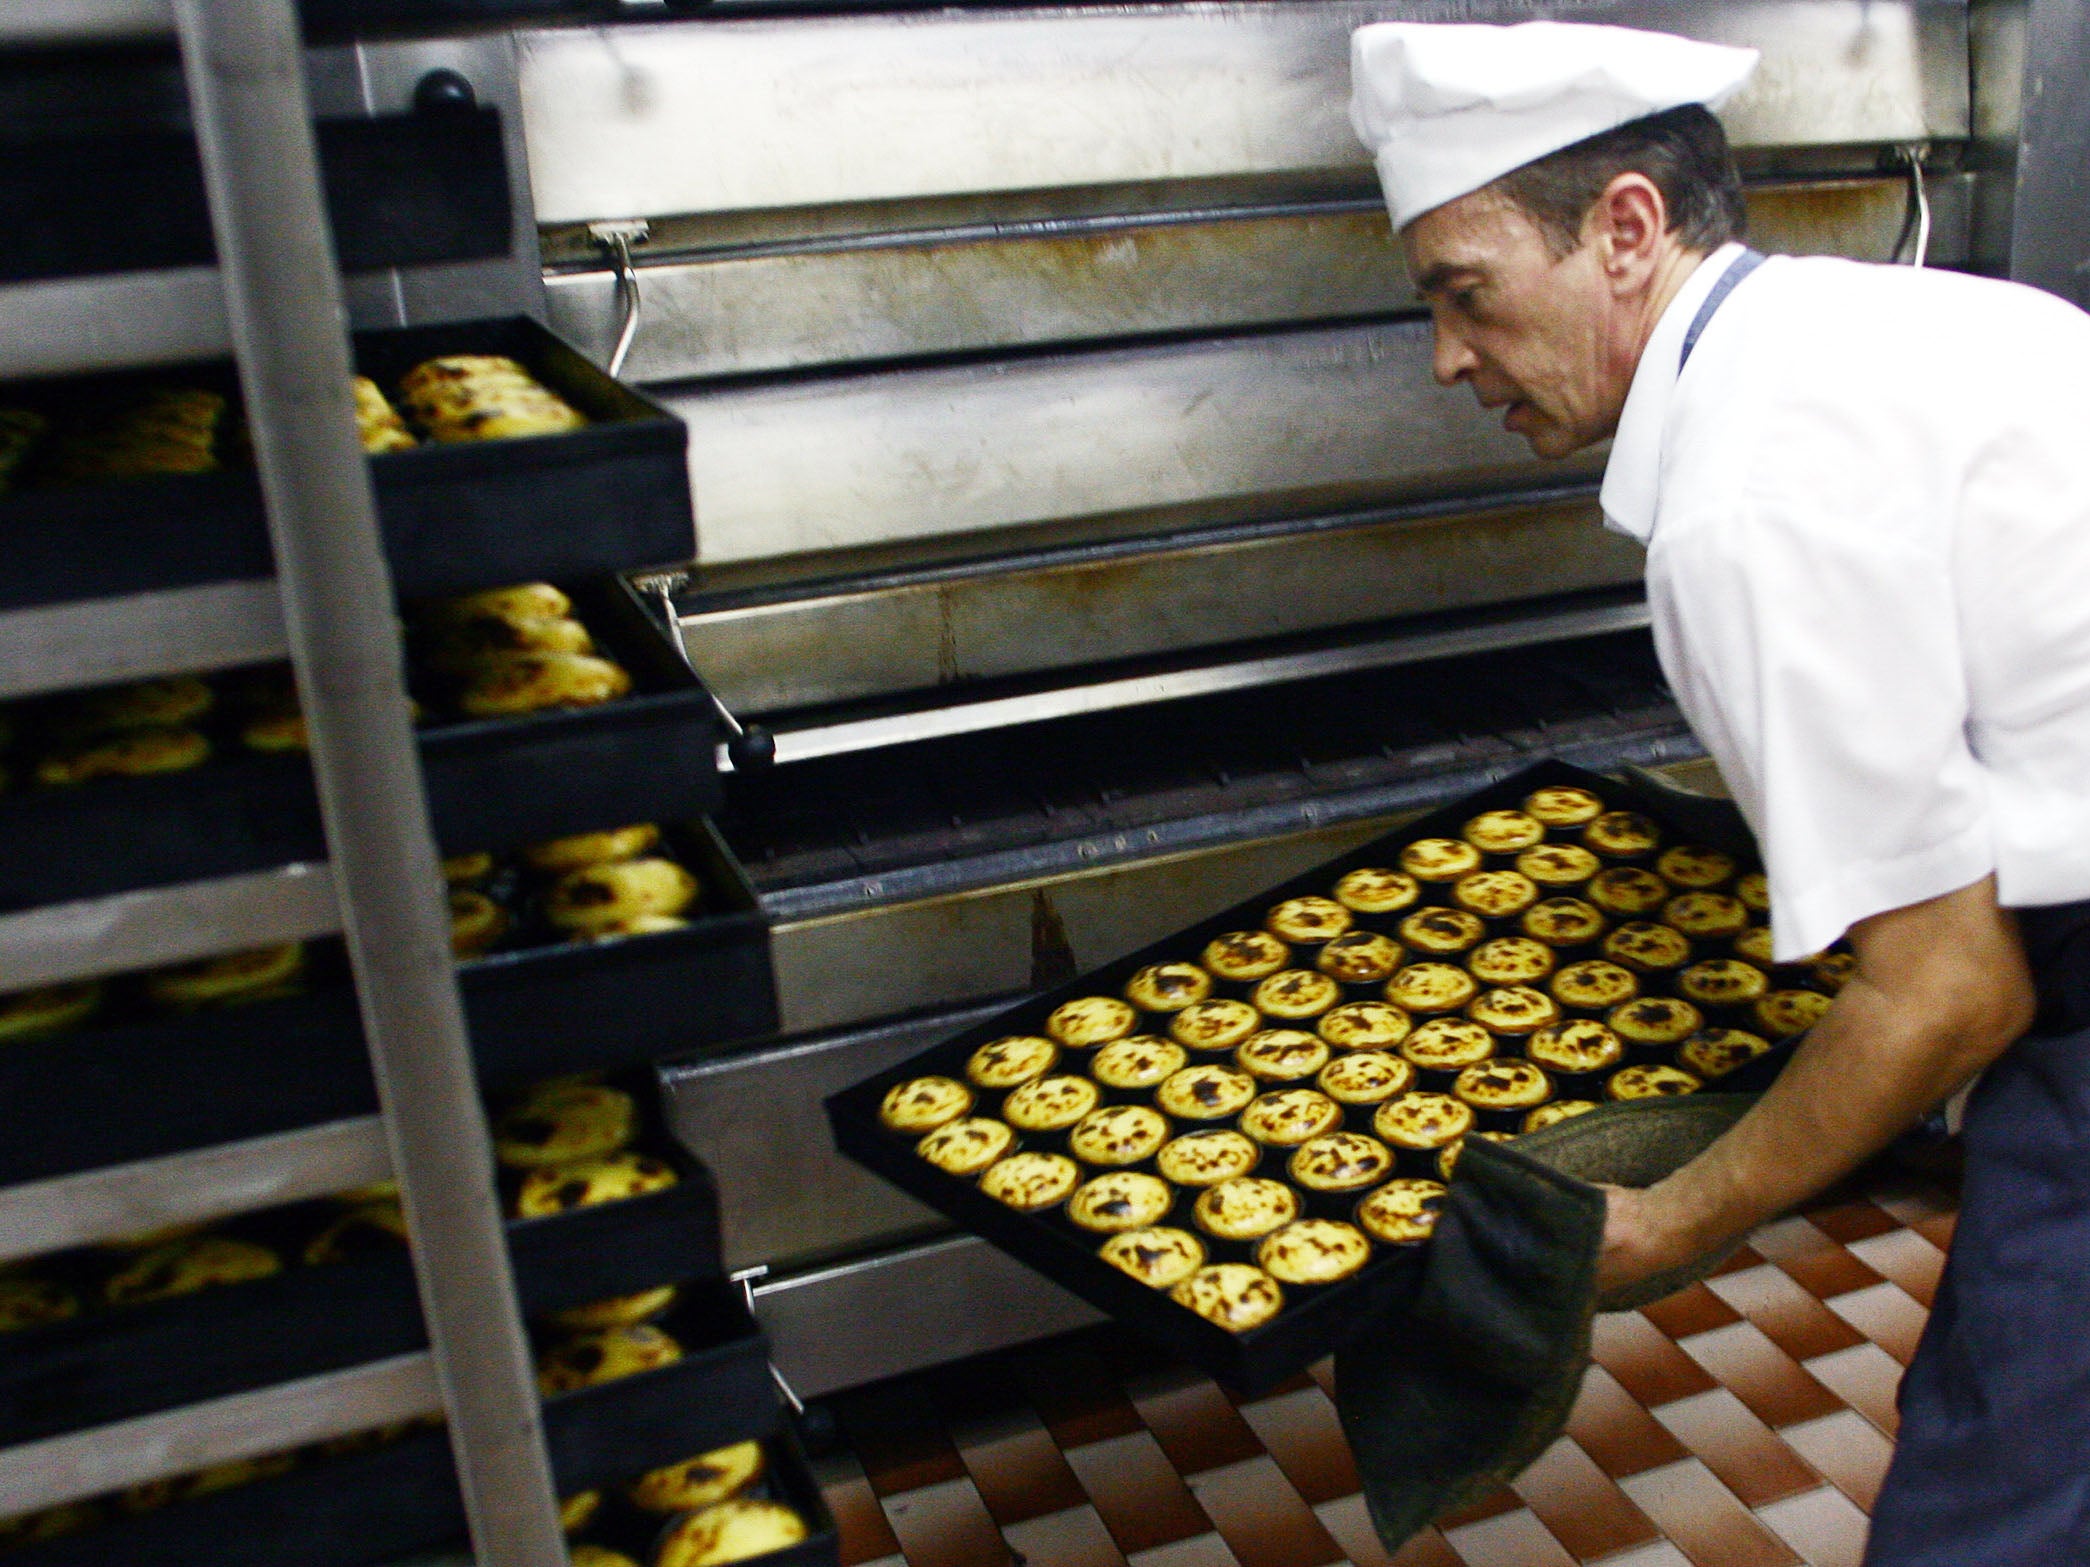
[{"x": 1744, "y": 264}]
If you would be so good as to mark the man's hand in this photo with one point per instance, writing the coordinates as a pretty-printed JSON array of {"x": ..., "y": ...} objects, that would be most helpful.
[{"x": 1940, "y": 991}]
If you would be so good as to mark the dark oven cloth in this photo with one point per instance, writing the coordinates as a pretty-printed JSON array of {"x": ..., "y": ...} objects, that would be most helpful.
[
  {"x": 1476, "y": 1378},
  {"x": 1993, "y": 1460}
]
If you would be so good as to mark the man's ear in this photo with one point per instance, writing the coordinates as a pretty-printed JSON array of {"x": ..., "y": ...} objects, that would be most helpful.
[{"x": 1628, "y": 221}]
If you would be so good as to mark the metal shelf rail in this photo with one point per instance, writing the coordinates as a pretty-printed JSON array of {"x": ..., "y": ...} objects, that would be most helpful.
[{"x": 281, "y": 309}]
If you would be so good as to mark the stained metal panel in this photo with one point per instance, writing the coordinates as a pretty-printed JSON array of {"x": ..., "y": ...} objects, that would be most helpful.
[
  {"x": 985, "y": 285},
  {"x": 678, "y": 118},
  {"x": 1292, "y": 420},
  {"x": 870, "y": 1317},
  {"x": 814, "y": 648}
]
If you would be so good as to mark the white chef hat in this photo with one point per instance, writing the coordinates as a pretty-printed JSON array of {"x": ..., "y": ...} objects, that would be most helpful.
[{"x": 1449, "y": 107}]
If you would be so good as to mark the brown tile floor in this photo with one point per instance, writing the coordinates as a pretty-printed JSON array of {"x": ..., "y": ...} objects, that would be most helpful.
[{"x": 1745, "y": 1422}]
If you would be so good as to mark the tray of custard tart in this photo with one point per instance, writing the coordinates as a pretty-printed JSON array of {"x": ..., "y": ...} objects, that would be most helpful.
[{"x": 1235, "y": 1138}]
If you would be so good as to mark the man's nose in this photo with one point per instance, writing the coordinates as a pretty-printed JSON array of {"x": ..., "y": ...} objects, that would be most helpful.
[{"x": 1451, "y": 361}]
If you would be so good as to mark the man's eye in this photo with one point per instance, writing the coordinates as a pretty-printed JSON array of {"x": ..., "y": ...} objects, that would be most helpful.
[{"x": 1464, "y": 299}]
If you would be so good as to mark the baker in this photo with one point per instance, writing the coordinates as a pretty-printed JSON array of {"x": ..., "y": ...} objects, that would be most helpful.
[{"x": 1864, "y": 493}]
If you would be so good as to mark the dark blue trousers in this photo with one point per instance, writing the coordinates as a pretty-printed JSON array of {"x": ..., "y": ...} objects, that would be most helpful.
[{"x": 1992, "y": 1468}]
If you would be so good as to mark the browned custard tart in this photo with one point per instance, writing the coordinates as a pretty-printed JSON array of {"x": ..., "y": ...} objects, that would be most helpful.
[
  {"x": 1011, "y": 1061},
  {"x": 1121, "y": 1200},
  {"x": 1594, "y": 985},
  {"x": 923, "y": 1104},
  {"x": 1360, "y": 957},
  {"x": 1143, "y": 1061},
  {"x": 1313, "y": 1251},
  {"x": 1244, "y": 955},
  {"x": 1716, "y": 1052},
  {"x": 1695, "y": 868},
  {"x": 1118, "y": 1134},
  {"x": 1308, "y": 919},
  {"x": 966, "y": 1147},
  {"x": 1422, "y": 1121},
  {"x": 1214, "y": 1025},
  {"x": 1563, "y": 922},
  {"x": 1206, "y": 1158},
  {"x": 1495, "y": 895},
  {"x": 1442, "y": 932},
  {"x": 1231, "y": 1295},
  {"x": 1723, "y": 982},
  {"x": 1296, "y": 993},
  {"x": 1091, "y": 1020},
  {"x": 1159, "y": 1258},
  {"x": 1340, "y": 1162},
  {"x": 1447, "y": 1043},
  {"x": 1290, "y": 1116},
  {"x": 1784, "y": 1013},
  {"x": 1707, "y": 916},
  {"x": 1050, "y": 1104},
  {"x": 1282, "y": 1055},
  {"x": 1628, "y": 891},
  {"x": 1563, "y": 805},
  {"x": 1503, "y": 1085},
  {"x": 1206, "y": 1092},
  {"x": 1246, "y": 1208},
  {"x": 1511, "y": 960},
  {"x": 1503, "y": 832},
  {"x": 1651, "y": 1082},
  {"x": 1754, "y": 889},
  {"x": 1655, "y": 1020},
  {"x": 1364, "y": 1025},
  {"x": 1365, "y": 1077},
  {"x": 1580, "y": 1045},
  {"x": 1168, "y": 987},
  {"x": 1402, "y": 1212},
  {"x": 1031, "y": 1182},
  {"x": 1374, "y": 890},
  {"x": 1440, "y": 859},
  {"x": 1559, "y": 864},
  {"x": 1754, "y": 946},
  {"x": 1431, "y": 987},
  {"x": 1647, "y": 947},
  {"x": 1513, "y": 1010},
  {"x": 1622, "y": 834},
  {"x": 1554, "y": 1113}
]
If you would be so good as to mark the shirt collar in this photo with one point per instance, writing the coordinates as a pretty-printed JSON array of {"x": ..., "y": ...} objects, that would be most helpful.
[{"x": 1633, "y": 476}]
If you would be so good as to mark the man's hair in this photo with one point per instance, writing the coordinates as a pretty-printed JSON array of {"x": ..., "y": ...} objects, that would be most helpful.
[{"x": 1683, "y": 151}]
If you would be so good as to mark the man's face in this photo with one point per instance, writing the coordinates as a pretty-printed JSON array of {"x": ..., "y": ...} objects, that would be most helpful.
[{"x": 1527, "y": 331}]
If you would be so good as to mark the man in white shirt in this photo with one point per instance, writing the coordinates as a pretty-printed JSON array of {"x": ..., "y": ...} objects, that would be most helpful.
[{"x": 1865, "y": 497}]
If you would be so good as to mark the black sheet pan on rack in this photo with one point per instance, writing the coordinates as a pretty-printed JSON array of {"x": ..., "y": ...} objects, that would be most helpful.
[
  {"x": 612, "y": 496},
  {"x": 492, "y": 784},
  {"x": 1316, "y": 1320},
  {"x": 154, "y": 1085},
  {"x": 372, "y": 1506},
  {"x": 133, "y": 1360}
]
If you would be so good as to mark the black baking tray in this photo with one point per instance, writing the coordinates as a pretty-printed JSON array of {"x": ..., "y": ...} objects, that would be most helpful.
[
  {"x": 150, "y": 1085},
  {"x": 492, "y": 784},
  {"x": 786, "y": 1478},
  {"x": 99, "y": 173},
  {"x": 612, "y": 496},
  {"x": 116, "y": 1364},
  {"x": 1315, "y": 1321},
  {"x": 377, "y": 1505}
]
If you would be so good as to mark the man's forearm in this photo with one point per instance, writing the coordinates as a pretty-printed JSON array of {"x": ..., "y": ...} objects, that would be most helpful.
[{"x": 1867, "y": 1072}]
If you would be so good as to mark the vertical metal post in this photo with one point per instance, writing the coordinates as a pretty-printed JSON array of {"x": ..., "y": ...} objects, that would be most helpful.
[
  {"x": 2050, "y": 224},
  {"x": 244, "y": 65}
]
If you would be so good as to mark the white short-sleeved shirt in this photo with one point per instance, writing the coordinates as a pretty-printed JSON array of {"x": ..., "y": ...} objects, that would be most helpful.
[{"x": 1866, "y": 506}]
